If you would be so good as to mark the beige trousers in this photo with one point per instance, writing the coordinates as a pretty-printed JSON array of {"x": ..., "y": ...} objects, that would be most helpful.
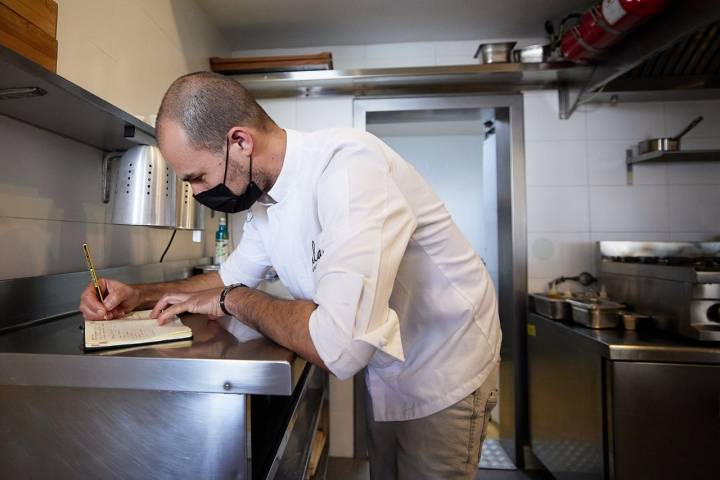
[{"x": 444, "y": 446}]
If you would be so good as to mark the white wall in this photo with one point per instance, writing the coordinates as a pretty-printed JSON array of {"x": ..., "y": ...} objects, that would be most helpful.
[
  {"x": 50, "y": 201},
  {"x": 128, "y": 52},
  {"x": 577, "y": 184}
]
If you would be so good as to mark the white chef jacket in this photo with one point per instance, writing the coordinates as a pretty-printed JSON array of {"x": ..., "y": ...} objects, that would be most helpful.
[{"x": 398, "y": 288}]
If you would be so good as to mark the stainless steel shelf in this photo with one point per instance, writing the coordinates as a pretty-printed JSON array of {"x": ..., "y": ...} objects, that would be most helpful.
[
  {"x": 413, "y": 80},
  {"x": 679, "y": 156},
  {"x": 67, "y": 109}
]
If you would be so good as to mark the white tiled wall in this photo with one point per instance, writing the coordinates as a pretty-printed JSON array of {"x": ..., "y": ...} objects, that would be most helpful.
[
  {"x": 578, "y": 191},
  {"x": 127, "y": 53}
]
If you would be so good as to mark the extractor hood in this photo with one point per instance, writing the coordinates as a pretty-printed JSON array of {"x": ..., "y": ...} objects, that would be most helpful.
[
  {"x": 690, "y": 63},
  {"x": 676, "y": 52}
]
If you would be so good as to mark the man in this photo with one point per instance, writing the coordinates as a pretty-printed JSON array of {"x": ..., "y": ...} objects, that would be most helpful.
[{"x": 382, "y": 277}]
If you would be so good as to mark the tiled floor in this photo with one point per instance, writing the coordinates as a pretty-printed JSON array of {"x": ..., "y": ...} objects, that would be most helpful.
[{"x": 349, "y": 469}]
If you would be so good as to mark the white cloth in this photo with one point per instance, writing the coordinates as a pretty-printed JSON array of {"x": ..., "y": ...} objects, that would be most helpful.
[{"x": 398, "y": 288}]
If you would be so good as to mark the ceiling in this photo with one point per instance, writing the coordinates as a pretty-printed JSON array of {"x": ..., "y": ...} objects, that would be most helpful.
[{"x": 251, "y": 24}]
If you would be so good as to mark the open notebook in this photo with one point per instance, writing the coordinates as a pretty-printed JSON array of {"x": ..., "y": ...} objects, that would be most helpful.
[{"x": 135, "y": 328}]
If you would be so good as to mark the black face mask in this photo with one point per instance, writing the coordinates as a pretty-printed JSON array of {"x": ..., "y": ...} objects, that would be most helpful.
[{"x": 222, "y": 199}]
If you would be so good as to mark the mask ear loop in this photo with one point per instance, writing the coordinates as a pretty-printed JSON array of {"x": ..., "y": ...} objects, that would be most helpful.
[{"x": 227, "y": 156}]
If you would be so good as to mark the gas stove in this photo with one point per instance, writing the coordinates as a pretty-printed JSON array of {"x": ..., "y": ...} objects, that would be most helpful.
[{"x": 677, "y": 283}]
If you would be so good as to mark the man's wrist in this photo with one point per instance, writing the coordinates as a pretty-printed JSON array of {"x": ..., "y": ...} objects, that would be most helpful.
[
  {"x": 146, "y": 298},
  {"x": 224, "y": 304}
]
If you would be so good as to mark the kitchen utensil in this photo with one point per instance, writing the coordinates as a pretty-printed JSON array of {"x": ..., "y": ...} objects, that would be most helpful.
[
  {"x": 144, "y": 189},
  {"x": 666, "y": 144},
  {"x": 584, "y": 278},
  {"x": 500, "y": 52},
  {"x": 198, "y": 269},
  {"x": 532, "y": 54},
  {"x": 633, "y": 320},
  {"x": 190, "y": 213},
  {"x": 595, "y": 313},
  {"x": 551, "y": 306}
]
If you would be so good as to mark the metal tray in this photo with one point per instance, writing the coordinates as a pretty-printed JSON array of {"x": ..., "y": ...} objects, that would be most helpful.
[
  {"x": 596, "y": 313},
  {"x": 555, "y": 308}
]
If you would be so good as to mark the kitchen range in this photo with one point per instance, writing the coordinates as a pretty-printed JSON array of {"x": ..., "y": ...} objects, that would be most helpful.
[{"x": 618, "y": 400}]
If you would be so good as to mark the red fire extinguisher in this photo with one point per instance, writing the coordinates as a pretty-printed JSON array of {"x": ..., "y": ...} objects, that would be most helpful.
[{"x": 604, "y": 24}]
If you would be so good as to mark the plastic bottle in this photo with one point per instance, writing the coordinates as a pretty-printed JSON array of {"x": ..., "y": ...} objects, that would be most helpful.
[{"x": 221, "y": 242}]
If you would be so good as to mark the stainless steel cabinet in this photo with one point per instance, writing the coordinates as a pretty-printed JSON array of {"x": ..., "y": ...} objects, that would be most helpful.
[
  {"x": 664, "y": 420},
  {"x": 622, "y": 405}
]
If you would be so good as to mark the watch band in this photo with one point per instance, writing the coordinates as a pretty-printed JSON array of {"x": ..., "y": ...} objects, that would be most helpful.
[{"x": 224, "y": 293}]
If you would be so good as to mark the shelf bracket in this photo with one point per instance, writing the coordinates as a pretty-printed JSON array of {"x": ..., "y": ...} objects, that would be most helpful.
[
  {"x": 629, "y": 166},
  {"x": 568, "y": 100},
  {"x": 107, "y": 158}
]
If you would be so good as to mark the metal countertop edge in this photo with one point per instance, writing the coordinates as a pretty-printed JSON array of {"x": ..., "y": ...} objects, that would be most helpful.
[
  {"x": 255, "y": 377},
  {"x": 704, "y": 354},
  {"x": 674, "y": 354}
]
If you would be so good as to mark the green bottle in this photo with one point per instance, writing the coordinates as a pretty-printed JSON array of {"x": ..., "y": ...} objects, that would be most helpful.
[{"x": 221, "y": 242}]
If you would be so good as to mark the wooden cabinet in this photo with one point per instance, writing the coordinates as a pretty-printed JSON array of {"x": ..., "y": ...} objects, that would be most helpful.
[{"x": 29, "y": 27}]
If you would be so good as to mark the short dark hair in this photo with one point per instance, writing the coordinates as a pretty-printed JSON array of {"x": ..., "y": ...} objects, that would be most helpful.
[{"x": 207, "y": 105}]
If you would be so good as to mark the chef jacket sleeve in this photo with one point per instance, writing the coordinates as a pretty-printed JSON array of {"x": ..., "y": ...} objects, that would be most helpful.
[
  {"x": 366, "y": 224},
  {"x": 249, "y": 261}
]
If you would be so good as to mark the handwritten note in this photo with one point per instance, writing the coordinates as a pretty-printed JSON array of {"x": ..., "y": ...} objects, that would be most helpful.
[{"x": 135, "y": 328}]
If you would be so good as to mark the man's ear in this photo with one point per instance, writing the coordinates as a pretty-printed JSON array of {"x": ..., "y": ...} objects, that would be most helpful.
[{"x": 242, "y": 137}]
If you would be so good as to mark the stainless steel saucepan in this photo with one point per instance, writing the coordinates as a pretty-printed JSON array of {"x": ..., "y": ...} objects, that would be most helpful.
[{"x": 666, "y": 144}]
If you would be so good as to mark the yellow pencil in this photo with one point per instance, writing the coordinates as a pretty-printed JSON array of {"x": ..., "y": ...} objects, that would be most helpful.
[{"x": 93, "y": 275}]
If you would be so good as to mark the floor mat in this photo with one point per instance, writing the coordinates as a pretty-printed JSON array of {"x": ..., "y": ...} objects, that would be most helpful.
[{"x": 493, "y": 456}]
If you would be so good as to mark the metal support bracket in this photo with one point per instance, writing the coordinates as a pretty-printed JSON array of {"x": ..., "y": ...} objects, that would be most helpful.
[
  {"x": 107, "y": 157},
  {"x": 568, "y": 100},
  {"x": 571, "y": 91},
  {"x": 629, "y": 166}
]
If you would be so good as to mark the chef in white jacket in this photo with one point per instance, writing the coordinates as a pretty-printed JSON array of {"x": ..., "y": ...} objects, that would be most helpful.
[{"x": 384, "y": 282}]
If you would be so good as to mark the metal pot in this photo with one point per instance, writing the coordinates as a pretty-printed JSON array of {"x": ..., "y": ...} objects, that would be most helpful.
[
  {"x": 144, "y": 189},
  {"x": 532, "y": 54},
  {"x": 666, "y": 144},
  {"x": 495, "y": 52}
]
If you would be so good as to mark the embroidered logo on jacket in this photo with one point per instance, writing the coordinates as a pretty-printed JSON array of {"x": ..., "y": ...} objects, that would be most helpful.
[{"x": 316, "y": 255}]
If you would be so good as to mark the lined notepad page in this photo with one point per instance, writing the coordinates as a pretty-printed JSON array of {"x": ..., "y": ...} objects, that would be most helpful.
[{"x": 134, "y": 328}]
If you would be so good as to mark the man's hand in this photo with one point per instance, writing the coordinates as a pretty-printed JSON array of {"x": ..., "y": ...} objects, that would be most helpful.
[
  {"x": 206, "y": 302},
  {"x": 119, "y": 300}
]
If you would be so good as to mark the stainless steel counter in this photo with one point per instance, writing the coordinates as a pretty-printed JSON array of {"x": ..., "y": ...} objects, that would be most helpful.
[
  {"x": 213, "y": 362},
  {"x": 220, "y": 405},
  {"x": 185, "y": 409},
  {"x": 641, "y": 345}
]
